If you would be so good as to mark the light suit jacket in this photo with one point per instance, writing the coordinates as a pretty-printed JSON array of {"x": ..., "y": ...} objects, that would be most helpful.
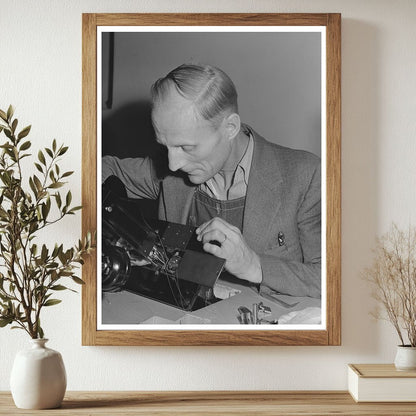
[{"x": 282, "y": 216}]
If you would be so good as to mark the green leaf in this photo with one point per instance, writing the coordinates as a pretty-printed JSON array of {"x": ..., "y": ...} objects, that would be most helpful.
[
  {"x": 24, "y": 132},
  {"x": 77, "y": 208},
  {"x": 25, "y": 145},
  {"x": 54, "y": 145},
  {"x": 58, "y": 199},
  {"x": 63, "y": 150},
  {"x": 8, "y": 133},
  {"x": 34, "y": 249},
  {"x": 42, "y": 194},
  {"x": 37, "y": 183},
  {"x": 10, "y": 112},
  {"x": 5, "y": 321},
  {"x": 58, "y": 250},
  {"x": 56, "y": 185},
  {"x": 45, "y": 210},
  {"x": 33, "y": 187},
  {"x": 14, "y": 125},
  {"x": 44, "y": 253},
  {"x": 41, "y": 157},
  {"x": 40, "y": 332},
  {"x": 49, "y": 152},
  {"x": 51, "y": 302},
  {"x": 68, "y": 199},
  {"x": 3, "y": 115},
  {"x": 76, "y": 279},
  {"x": 34, "y": 226},
  {"x": 55, "y": 251},
  {"x": 67, "y": 174},
  {"x": 39, "y": 167},
  {"x": 59, "y": 287},
  {"x": 62, "y": 257}
]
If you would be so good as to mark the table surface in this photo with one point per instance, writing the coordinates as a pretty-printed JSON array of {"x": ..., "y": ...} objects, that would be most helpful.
[
  {"x": 180, "y": 403},
  {"x": 129, "y": 308}
]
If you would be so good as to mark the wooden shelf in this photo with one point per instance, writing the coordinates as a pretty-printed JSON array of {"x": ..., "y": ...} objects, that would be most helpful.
[{"x": 211, "y": 403}]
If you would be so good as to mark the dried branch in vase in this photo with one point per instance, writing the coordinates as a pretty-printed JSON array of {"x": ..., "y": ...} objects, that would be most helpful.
[{"x": 393, "y": 276}]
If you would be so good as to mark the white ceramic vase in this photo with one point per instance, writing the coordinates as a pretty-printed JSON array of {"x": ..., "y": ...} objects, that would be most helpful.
[
  {"x": 38, "y": 377},
  {"x": 405, "y": 358}
]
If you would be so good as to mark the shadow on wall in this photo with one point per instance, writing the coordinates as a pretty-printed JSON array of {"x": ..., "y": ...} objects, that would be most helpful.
[{"x": 128, "y": 132}]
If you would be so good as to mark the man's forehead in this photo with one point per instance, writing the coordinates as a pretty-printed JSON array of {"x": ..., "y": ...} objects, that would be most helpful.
[
  {"x": 177, "y": 114},
  {"x": 172, "y": 100},
  {"x": 175, "y": 111}
]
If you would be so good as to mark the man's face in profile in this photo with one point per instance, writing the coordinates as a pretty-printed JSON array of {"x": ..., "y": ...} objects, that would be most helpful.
[{"x": 195, "y": 146}]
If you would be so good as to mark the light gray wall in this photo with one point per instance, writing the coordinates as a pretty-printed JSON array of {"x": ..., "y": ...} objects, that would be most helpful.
[
  {"x": 277, "y": 76},
  {"x": 41, "y": 45}
]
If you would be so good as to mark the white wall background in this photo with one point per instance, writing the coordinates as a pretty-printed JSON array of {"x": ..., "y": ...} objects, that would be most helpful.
[{"x": 40, "y": 73}]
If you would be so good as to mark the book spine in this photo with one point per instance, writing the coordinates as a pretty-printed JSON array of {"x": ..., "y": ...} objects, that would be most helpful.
[{"x": 353, "y": 381}]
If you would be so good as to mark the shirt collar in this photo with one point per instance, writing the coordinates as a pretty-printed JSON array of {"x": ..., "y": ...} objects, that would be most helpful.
[{"x": 214, "y": 186}]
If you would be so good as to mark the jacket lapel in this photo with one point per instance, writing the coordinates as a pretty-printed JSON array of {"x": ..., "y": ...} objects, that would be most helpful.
[{"x": 264, "y": 192}]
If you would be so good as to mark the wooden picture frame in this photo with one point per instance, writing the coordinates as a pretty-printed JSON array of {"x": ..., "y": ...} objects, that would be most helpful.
[{"x": 331, "y": 334}]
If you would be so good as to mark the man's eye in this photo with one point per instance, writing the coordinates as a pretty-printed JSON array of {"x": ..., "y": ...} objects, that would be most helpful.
[{"x": 187, "y": 148}]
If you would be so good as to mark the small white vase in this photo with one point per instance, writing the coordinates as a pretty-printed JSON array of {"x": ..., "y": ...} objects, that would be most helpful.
[
  {"x": 38, "y": 377},
  {"x": 405, "y": 358}
]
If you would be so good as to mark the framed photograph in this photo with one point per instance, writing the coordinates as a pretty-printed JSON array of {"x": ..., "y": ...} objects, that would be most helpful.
[{"x": 211, "y": 172}]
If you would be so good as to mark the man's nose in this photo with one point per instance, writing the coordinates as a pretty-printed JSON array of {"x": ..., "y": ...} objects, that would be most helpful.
[{"x": 176, "y": 159}]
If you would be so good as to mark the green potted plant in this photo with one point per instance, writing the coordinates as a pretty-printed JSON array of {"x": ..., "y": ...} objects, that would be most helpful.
[
  {"x": 31, "y": 272},
  {"x": 393, "y": 277}
]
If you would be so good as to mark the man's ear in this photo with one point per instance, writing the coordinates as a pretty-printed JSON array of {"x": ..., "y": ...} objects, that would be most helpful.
[{"x": 232, "y": 125}]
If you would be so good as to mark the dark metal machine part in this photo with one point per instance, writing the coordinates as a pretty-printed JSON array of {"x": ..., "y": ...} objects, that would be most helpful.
[{"x": 178, "y": 272}]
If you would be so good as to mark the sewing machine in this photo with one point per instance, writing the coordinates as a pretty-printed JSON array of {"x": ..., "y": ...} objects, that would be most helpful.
[{"x": 157, "y": 259}]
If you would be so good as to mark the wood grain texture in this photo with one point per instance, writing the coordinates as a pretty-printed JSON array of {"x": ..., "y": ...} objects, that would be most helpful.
[
  {"x": 266, "y": 403},
  {"x": 89, "y": 172},
  {"x": 380, "y": 371},
  {"x": 212, "y": 19},
  {"x": 333, "y": 174},
  {"x": 330, "y": 336},
  {"x": 211, "y": 338}
]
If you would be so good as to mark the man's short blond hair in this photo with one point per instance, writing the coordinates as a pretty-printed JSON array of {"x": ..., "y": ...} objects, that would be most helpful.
[{"x": 209, "y": 88}]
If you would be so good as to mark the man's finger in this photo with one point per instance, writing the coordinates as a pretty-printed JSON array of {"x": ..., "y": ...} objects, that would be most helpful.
[
  {"x": 213, "y": 235},
  {"x": 214, "y": 250},
  {"x": 212, "y": 225}
]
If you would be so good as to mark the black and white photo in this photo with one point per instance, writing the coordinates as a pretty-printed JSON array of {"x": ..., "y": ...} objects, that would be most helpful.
[
  {"x": 215, "y": 165},
  {"x": 232, "y": 231}
]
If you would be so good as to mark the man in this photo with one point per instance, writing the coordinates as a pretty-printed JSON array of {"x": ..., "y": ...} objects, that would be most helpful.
[{"x": 254, "y": 203}]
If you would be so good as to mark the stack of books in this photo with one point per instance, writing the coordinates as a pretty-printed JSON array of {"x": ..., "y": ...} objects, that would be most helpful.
[{"x": 381, "y": 383}]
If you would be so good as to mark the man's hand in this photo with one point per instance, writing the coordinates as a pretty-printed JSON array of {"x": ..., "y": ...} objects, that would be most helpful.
[{"x": 240, "y": 259}]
